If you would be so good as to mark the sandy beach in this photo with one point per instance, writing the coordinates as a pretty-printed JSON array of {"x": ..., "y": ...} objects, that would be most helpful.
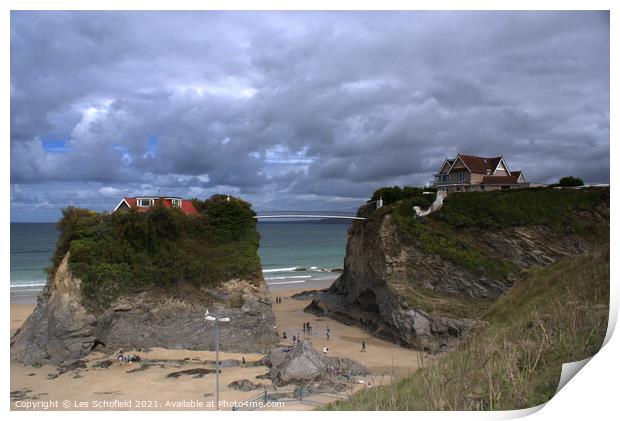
[{"x": 116, "y": 387}]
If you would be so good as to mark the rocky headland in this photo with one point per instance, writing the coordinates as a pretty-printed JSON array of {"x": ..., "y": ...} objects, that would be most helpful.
[{"x": 423, "y": 282}]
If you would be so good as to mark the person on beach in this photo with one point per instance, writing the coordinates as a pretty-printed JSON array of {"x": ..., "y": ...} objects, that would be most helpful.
[
  {"x": 284, "y": 335},
  {"x": 363, "y": 346},
  {"x": 294, "y": 339},
  {"x": 243, "y": 360},
  {"x": 327, "y": 332},
  {"x": 326, "y": 350},
  {"x": 304, "y": 328}
]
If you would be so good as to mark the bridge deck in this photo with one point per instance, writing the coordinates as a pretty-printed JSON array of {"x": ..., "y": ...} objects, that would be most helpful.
[{"x": 309, "y": 216}]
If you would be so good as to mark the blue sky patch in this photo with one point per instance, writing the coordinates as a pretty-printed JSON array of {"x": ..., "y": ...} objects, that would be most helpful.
[{"x": 58, "y": 146}]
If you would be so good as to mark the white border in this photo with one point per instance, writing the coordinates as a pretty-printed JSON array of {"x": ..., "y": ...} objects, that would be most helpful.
[{"x": 590, "y": 395}]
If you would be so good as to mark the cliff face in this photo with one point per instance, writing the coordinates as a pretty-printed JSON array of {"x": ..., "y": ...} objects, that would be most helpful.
[
  {"x": 407, "y": 290},
  {"x": 62, "y": 327}
]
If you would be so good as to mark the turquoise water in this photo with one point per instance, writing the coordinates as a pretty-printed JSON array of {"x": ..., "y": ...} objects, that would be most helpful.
[
  {"x": 32, "y": 246},
  {"x": 285, "y": 246},
  {"x": 315, "y": 247}
]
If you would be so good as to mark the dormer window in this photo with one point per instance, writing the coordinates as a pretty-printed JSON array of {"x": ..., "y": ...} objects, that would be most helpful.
[
  {"x": 145, "y": 203},
  {"x": 176, "y": 203}
]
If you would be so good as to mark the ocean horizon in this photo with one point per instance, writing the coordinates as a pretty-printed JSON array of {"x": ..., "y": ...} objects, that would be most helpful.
[{"x": 291, "y": 252}]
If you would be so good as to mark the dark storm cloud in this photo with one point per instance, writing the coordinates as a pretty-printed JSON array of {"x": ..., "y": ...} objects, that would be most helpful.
[{"x": 297, "y": 110}]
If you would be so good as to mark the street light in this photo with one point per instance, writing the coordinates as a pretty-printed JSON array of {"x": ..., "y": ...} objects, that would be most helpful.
[{"x": 217, "y": 321}]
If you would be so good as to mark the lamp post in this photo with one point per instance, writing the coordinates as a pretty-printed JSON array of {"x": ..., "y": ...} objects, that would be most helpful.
[{"x": 217, "y": 321}]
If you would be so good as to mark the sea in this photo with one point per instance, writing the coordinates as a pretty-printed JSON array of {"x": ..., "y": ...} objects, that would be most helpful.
[{"x": 293, "y": 252}]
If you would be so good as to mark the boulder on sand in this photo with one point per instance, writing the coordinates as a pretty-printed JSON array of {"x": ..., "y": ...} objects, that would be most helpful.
[{"x": 302, "y": 364}]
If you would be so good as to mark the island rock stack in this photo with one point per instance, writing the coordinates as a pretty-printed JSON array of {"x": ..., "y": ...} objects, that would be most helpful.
[{"x": 63, "y": 328}]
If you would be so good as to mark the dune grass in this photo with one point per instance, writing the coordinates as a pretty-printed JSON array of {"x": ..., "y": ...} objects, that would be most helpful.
[{"x": 513, "y": 358}]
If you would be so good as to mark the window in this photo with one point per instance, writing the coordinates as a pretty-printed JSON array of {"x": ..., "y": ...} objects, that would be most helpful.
[
  {"x": 460, "y": 176},
  {"x": 145, "y": 203},
  {"x": 176, "y": 203}
]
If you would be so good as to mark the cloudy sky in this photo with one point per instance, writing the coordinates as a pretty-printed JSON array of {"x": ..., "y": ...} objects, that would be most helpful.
[{"x": 296, "y": 110}]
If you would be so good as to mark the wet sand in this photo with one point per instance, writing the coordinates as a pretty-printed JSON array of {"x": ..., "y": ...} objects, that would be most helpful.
[{"x": 114, "y": 386}]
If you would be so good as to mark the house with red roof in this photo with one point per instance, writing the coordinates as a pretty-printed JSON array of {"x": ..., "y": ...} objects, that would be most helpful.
[
  {"x": 145, "y": 203},
  {"x": 467, "y": 173}
]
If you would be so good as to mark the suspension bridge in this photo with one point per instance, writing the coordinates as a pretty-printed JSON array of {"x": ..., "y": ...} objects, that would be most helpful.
[
  {"x": 304, "y": 215},
  {"x": 323, "y": 214}
]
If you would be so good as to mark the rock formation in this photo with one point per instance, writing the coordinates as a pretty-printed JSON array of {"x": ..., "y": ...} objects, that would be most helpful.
[
  {"x": 63, "y": 328},
  {"x": 303, "y": 365},
  {"x": 386, "y": 274}
]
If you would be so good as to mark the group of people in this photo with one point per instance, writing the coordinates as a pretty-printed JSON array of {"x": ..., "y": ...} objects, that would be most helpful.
[
  {"x": 307, "y": 330},
  {"x": 278, "y": 300},
  {"x": 129, "y": 358}
]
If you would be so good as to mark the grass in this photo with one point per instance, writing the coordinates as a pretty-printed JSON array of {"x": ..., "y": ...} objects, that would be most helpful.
[
  {"x": 454, "y": 248},
  {"x": 452, "y": 231},
  {"x": 439, "y": 304},
  {"x": 558, "y": 208},
  {"x": 513, "y": 358},
  {"x": 164, "y": 249}
]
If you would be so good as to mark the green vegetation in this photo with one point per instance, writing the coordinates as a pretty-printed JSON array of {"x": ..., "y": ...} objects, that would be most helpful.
[
  {"x": 570, "y": 182},
  {"x": 395, "y": 194},
  {"x": 558, "y": 208},
  {"x": 130, "y": 251},
  {"x": 453, "y": 247},
  {"x": 444, "y": 305},
  {"x": 513, "y": 358},
  {"x": 453, "y": 232}
]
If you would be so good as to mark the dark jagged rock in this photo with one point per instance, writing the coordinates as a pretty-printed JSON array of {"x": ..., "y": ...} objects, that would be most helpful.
[
  {"x": 230, "y": 363},
  {"x": 246, "y": 385},
  {"x": 74, "y": 365},
  {"x": 142, "y": 367},
  {"x": 307, "y": 295},
  {"x": 103, "y": 364},
  {"x": 194, "y": 372},
  {"x": 18, "y": 395},
  {"x": 63, "y": 328},
  {"x": 303, "y": 365},
  {"x": 383, "y": 269},
  {"x": 71, "y": 366}
]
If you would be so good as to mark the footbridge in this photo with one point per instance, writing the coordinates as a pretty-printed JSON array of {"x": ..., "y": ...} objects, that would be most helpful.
[
  {"x": 364, "y": 210},
  {"x": 308, "y": 215}
]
